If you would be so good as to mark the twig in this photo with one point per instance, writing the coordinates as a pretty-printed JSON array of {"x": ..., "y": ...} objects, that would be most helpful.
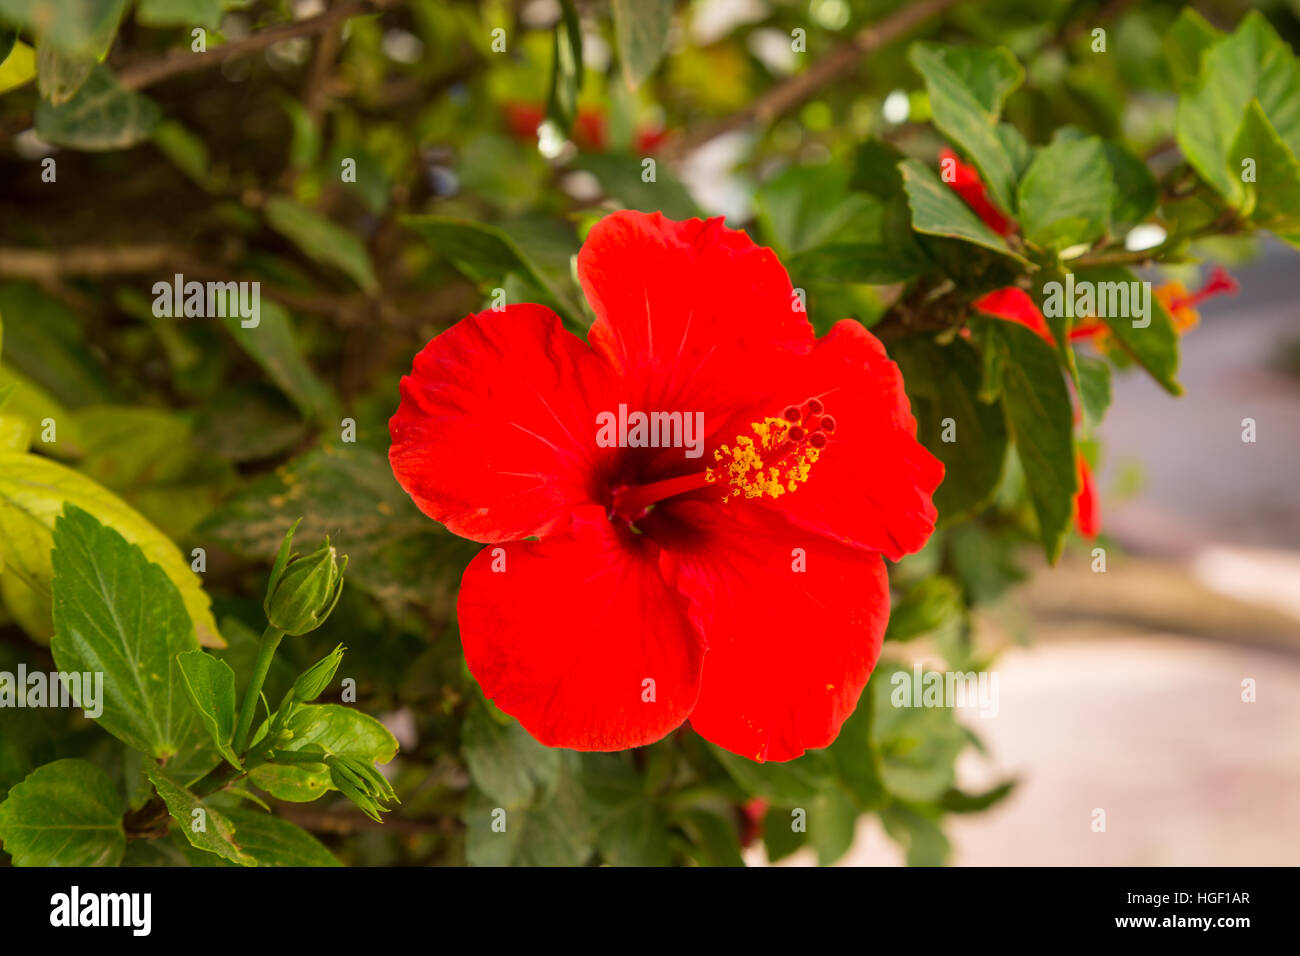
[
  {"x": 139, "y": 75},
  {"x": 789, "y": 94}
]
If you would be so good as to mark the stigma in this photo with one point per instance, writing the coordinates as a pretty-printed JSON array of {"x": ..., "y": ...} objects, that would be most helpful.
[{"x": 778, "y": 457}]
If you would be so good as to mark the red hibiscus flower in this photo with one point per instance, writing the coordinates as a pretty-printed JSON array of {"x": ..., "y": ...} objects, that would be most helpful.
[{"x": 628, "y": 589}]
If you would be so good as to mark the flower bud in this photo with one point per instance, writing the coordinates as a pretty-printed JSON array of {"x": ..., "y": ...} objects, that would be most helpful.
[
  {"x": 303, "y": 589},
  {"x": 312, "y": 682}
]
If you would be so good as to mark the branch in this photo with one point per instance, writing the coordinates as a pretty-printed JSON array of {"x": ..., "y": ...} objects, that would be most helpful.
[
  {"x": 149, "y": 72},
  {"x": 800, "y": 87}
]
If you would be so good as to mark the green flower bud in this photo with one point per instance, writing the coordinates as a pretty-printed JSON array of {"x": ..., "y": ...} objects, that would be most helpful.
[
  {"x": 303, "y": 589},
  {"x": 315, "y": 679}
]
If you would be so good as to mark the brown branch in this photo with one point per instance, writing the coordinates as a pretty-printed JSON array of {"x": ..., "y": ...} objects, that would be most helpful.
[
  {"x": 798, "y": 88},
  {"x": 139, "y": 75}
]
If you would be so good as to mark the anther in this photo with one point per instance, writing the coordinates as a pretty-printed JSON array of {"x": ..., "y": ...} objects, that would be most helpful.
[
  {"x": 796, "y": 433},
  {"x": 827, "y": 423},
  {"x": 817, "y": 440},
  {"x": 791, "y": 414},
  {"x": 815, "y": 406}
]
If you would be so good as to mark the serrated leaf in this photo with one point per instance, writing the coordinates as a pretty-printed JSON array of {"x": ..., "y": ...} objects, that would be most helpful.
[
  {"x": 1273, "y": 197},
  {"x": 211, "y": 685},
  {"x": 203, "y": 825},
  {"x": 938, "y": 211},
  {"x": 66, "y": 813},
  {"x": 1066, "y": 194},
  {"x": 556, "y": 832},
  {"x": 273, "y": 841},
  {"x": 117, "y": 614},
  {"x": 59, "y": 76},
  {"x": 1185, "y": 43},
  {"x": 1253, "y": 62},
  {"x": 967, "y": 86}
]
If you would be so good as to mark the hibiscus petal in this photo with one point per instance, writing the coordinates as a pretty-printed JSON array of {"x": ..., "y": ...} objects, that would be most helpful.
[
  {"x": 495, "y": 433},
  {"x": 789, "y": 650},
  {"x": 691, "y": 314},
  {"x": 873, "y": 483},
  {"x": 566, "y": 634}
]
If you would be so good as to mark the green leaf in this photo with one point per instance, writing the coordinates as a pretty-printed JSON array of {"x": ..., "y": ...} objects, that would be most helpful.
[
  {"x": 1041, "y": 420},
  {"x": 918, "y": 834},
  {"x": 211, "y": 685},
  {"x": 1135, "y": 193},
  {"x": 273, "y": 346},
  {"x": 566, "y": 69},
  {"x": 779, "y": 833},
  {"x": 1185, "y": 42},
  {"x": 273, "y": 841},
  {"x": 321, "y": 240},
  {"x": 809, "y": 206},
  {"x": 714, "y": 841},
  {"x": 8, "y": 35},
  {"x": 792, "y": 782},
  {"x": 505, "y": 762},
  {"x": 32, "y": 495},
  {"x": 481, "y": 249},
  {"x": 620, "y": 176},
  {"x": 1272, "y": 200},
  {"x": 66, "y": 813},
  {"x": 73, "y": 27},
  {"x": 631, "y": 828},
  {"x": 832, "y": 821},
  {"x": 938, "y": 211},
  {"x": 117, "y": 614},
  {"x": 930, "y": 604},
  {"x": 641, "y": 34},
  {"x": 943, "y": 383},
  {"x": 556, "y": 832},
  {"x": 957, "y": 801},
  {"x": 918, "y": 744},
  {"x": 1094, "y": 388},
  {"x": 48, "y": 346},
  {"x": 32, "y": 404},
  {"x": 1066, "y": 194},
  {"x": 102, "y": 115},
  {"x": 967, "y": 87},
  {"x": 180, "y": 13},
  {"x": 1254, "y": 62},
  {"x": 203, "y": 825},
  {"x": 328, "y": 729},
  {"x": 397, "y": 554},
  {"x": 856, "y": 760},
  {"x": 59, "y": 76},
  {"x": 1155, "y": 346}
]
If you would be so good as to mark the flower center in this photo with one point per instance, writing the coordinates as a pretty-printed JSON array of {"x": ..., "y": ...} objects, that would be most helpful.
[{"x": 776, "y": 459}]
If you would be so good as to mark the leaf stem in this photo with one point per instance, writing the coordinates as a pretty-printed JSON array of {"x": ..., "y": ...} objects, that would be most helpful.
[{"x": 270, "y": 641}]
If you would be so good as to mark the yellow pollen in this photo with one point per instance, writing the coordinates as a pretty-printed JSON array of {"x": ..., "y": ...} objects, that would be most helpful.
[{"x": 760, "y": 466}]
